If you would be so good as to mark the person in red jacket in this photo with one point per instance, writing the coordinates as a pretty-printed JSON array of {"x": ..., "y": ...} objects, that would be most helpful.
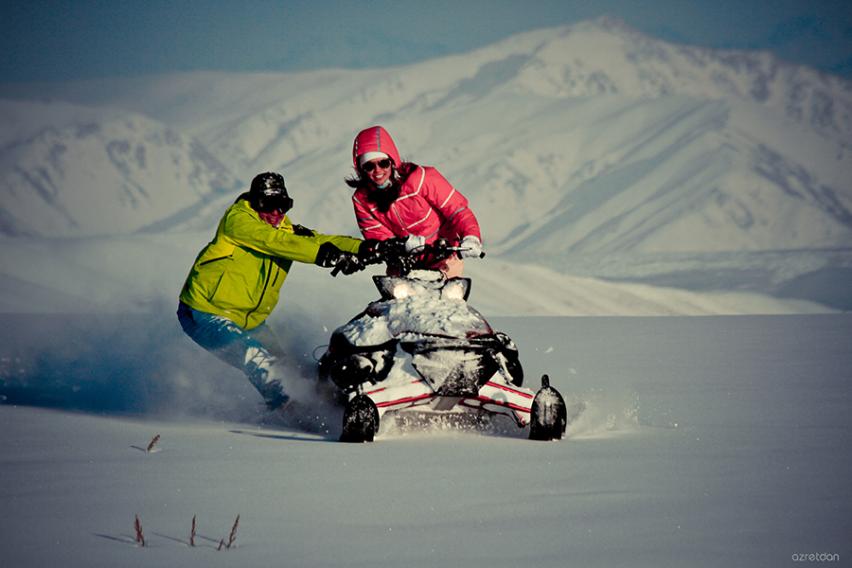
[{"x": 397, "y": 199}]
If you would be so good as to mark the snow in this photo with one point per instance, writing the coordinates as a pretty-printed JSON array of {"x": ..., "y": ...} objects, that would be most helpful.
[
  {"x": 141, "y": 273},
  {"x": 697, "y": 182},
  {"x": 706, "y": 442}
]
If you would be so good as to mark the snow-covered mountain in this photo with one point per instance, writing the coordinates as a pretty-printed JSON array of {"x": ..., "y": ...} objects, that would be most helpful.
[
  {"x": 628, "y": 142},
  {"x": 101, "y": 173},
  {"x": 606, "y": 56},
  {"x": 591, "y": 139}
]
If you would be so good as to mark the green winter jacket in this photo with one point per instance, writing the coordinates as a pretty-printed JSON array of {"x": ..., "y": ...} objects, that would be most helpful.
[{"x": 239, "y": 274}]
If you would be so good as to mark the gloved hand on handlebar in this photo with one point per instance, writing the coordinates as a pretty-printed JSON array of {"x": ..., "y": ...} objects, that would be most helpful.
[
  {"x": 471, "y": 247},
  {"x": 374, "y": 251},
  {"x": 329, "y": 256},
  {"x": 414, "y": 242},
  {"x": 348, "y": 263}
]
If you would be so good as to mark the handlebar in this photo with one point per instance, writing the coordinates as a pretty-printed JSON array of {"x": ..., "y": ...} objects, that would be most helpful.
[
  {"x": 424, "y": 256},
  {"x": 401, "y": 260}
]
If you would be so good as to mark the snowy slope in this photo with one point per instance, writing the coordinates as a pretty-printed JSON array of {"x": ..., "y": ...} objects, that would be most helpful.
[
  {"x": 144, "y": 273},
  {"x": 707, "y": 442},
  {"x": 89, "y": 172}
]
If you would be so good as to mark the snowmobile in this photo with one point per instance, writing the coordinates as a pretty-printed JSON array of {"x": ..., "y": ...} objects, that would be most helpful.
[{"x": 422, "y": 348}]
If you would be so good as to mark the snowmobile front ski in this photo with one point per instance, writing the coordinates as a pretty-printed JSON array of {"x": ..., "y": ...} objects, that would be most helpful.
[
  {"x": 549, "y": 416},
  {"x": 360, "y": 420}
]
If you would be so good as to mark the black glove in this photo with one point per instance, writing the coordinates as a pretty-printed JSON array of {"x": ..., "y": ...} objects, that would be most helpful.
[
  {"x": 369, "y": 253},
  {"x": 402, "y": 265},
  {"x": 329, "y": 256},
  {"x": 374, "y": 251},
  {"x": 348, "y": 263},
  {"x": 395, "y": 246}
]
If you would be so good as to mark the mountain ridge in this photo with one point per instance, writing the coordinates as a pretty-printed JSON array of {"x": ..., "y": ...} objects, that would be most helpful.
[{"x": 525, "y": 124}]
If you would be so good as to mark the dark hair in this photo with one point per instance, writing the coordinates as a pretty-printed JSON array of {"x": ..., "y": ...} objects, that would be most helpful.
[{"x": 382, "y": 198}]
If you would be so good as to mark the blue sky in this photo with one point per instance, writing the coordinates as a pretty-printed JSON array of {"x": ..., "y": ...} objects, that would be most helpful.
[{"x": 58, "y": 40}]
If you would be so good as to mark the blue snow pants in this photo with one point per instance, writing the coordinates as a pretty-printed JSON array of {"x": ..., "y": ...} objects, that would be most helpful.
[{"x": 256, "y": 353}]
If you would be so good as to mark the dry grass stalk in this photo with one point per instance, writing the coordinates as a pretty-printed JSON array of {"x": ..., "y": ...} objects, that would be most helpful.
[
  {"x": 140, "y": 536},
  {"x": 233, "y": 536},
  {"x": 153, "y": 443}
]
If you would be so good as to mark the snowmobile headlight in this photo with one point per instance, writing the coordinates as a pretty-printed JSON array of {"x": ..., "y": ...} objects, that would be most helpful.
[
  {"x": 398, "y": 288},
  {"x": 456, "y": 289},
  {"x": 392, "y": 287},
  {"x": 402, "y": 290}
]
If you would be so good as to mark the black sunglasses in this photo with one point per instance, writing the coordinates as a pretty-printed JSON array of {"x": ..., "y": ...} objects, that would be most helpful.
[
  {"x": 274, "y": 202},
  {"x": 370, "y": 166}
]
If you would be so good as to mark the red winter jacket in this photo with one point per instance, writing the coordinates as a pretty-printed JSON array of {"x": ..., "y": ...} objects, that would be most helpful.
[{"x": 427, "y": 205}]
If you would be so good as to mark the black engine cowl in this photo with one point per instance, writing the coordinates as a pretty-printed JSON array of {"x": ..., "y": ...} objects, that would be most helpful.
[{"x": 348, "y": 366}]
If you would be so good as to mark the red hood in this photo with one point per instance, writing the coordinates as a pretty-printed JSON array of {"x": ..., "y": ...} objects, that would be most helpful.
[{"x": 374, "y": 139}]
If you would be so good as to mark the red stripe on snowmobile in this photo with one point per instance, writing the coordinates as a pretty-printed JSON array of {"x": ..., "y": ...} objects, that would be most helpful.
[
  {"x": 509, "y": 389},
  {"x": 501, "y": 403},
  {"x": 386, "y": 388},
  {"x": 403, "y": 400}
]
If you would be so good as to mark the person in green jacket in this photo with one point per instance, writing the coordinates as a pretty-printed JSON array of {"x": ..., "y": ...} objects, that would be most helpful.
[{"x": 235, "y": 281}]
